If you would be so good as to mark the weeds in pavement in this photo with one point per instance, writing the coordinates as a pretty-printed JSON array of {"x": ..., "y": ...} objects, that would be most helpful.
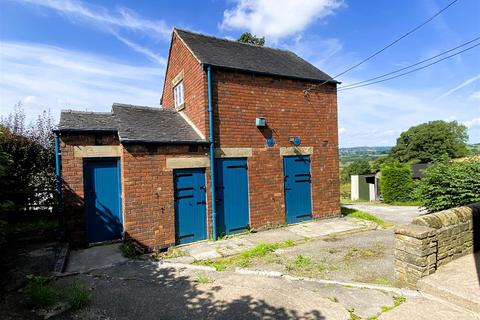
[
  {"x": 364, "y": 253},
  {"x": 361, "y": 215},
  {"x": 288, "y": 243},
  {"x": 304, "y": 266},
  {"x": 381, "y": 280},
  {"x": 353, "y": 316},
  {"x": 397, "y": 301},
  {"x": 78, "y": 296},
  {"x": 128, "y": 249},
  {"x": 171, "y": 253},
  {"x": 203, "y": 279},
  {"x": 40, "y": 293},
  {"x": 244, "y": 259}
]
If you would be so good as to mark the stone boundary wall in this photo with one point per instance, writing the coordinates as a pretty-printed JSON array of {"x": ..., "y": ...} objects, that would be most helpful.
[{"x": 433, "y": 240}]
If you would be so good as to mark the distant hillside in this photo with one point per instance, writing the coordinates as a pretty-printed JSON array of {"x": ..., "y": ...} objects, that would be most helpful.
[
  {"x": 475, "y": 147},
  {"x": 371, "y": 153},
  {"x": 367, "y": 153}
]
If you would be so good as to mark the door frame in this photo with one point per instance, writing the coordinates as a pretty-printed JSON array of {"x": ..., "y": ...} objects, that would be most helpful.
[
  {"x": 248, "y": 186},
  {"x": 311, "y": 182},
  {"x": 175, "y": 215},
  {"x": 120, "y": 195}
]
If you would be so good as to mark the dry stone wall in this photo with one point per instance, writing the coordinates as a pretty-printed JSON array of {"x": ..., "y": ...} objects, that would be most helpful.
[{"x": 433, "y": 240}]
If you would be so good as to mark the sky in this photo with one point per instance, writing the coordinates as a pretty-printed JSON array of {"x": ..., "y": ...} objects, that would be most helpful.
[{"x": 85, "y": 55}]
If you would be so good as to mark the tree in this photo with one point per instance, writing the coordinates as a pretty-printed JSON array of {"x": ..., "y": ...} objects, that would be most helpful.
[
  {"x": 430, "y": 142},
  {"x": 247, "y": 37},
  {"x": 447, "y": 185},
  {"x": 356, "y": 167},
  {"x": 396, "y": 182},
  {"x": 377, "y": 163},
  {"x": 31, "y": 151}
]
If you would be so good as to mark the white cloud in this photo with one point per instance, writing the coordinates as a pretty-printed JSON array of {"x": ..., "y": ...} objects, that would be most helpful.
[
  {"x": 341, "y": 131},
  {"x": 48, "y": 77},
  {"x": 116, "y": 22},
  {"x": 140, "y": 49},
  {"x": 376, "y": 115},
  {"x": 460, "y": 86},
  {"x": 276, "y": 19},
  {"x": 475, "y": 96},
  {"x": 475, "y": 122}
]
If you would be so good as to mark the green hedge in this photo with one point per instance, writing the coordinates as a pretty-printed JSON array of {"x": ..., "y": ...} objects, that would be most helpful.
[
  {"x": 396, "y": 182},
  {"x": 450, "y": 184}
]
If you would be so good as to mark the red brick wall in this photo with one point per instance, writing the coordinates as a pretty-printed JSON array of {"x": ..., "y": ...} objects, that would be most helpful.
[
  {"x": 72, "y": 174},
  {"x": 148, "y": 188},
  {"x": 194, "y": 83},
  {"x": 239, "y": 98}
]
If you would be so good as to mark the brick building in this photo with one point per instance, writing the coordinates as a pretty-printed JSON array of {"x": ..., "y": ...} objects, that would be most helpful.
[{"x": 145, "y": 173}]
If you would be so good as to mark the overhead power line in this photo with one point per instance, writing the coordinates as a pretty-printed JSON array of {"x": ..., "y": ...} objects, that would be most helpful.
[
  {"x": 387, "y": 46},
  {"x": 411, "y": 71},
  {"x": 409, "y": 66}
]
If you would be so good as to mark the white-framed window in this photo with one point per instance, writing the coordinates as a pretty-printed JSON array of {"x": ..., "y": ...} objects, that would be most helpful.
[{"x": 178, "y": 97}]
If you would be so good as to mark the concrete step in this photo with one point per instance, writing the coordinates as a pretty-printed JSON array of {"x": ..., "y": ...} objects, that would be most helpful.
[{"x": 457, "y": 282}]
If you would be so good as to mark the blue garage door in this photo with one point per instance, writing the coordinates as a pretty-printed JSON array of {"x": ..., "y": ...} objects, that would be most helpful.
[
  {"x": 231, "y": 185},
  {"x": 190, "y": 204},
  {"x": 298, "y": 199},
  {"x": 102, "y": 200}
]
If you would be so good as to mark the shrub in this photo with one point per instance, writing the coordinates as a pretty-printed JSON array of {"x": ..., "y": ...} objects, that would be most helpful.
[
  {"x": 40, "y": 293},
  {"x": 450, "y": 184},
  {"x": 128, "y": 249},
  {"x": 396, "y": 182},
  {"x": 79, "y": 296}
]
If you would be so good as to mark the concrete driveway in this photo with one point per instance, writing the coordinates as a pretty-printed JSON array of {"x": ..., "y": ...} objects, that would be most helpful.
[
  {"x": 145, "y": 289},
  {"x": 393, "y": 214}
]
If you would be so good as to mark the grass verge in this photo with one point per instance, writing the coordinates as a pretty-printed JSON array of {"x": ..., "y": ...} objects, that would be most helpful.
[
  {"x": 361, "y": 215},
  {"x": 244, "y": 259}
]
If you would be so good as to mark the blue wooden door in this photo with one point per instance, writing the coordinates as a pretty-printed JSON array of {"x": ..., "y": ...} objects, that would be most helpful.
[
  {"x": 298, "y": 198},
  {"x": 190, "y": 205},
  {"x": 102, "y": 200},
  {"x": 231, "y": 187}
]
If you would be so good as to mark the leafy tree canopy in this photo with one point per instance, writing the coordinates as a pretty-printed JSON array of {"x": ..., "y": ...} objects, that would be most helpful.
[
  {"x": 430, "y": 142},
  {"x": 27, "y": 160},
  {"x": 356, "y": 167},
  {"x": 247, "y": 37},
  {"x": 450, "y": 184}
]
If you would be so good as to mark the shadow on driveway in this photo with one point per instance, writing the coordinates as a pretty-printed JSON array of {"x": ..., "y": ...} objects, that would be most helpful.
[{"x": 148, "y": 290}]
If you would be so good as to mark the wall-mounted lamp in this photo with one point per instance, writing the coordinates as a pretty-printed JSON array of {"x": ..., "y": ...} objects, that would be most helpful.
[
  {"x": 296, "y": 141},
  {"x": 261, "y": 122}
]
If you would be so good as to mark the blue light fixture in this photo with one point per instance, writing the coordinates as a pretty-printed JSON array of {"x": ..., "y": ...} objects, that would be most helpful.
[
  {"x": 296, "y": 141},
  {"x": 270, "y": 141}
]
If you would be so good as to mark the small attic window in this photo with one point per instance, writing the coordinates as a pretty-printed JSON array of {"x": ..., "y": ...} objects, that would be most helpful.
[{"x": 178, "y": 96}]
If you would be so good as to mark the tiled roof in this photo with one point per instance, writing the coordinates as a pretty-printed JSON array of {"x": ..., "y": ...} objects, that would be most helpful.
[
  {"x": 133, "y": 124},
  {"x": 247, "y": 57}
]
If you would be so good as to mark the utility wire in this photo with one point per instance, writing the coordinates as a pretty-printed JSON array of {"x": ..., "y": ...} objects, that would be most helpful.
[
  {"x": 410, "y": 66},
  {"x": 386, "y": 47},
  {"x": 408, "y": 72}
]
